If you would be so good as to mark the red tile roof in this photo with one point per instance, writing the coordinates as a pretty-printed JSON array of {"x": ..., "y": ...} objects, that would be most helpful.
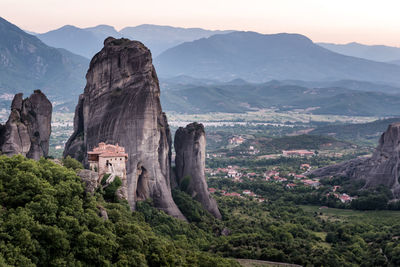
[{"x": 107, "y": 150}]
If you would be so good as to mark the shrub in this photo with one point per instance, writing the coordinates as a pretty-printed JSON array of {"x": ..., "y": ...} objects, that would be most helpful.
[
  {"x": 72, "y": 163},
  {"x": 111, "y": 189}
]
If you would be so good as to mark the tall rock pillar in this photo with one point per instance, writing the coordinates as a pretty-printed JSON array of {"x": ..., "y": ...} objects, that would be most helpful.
[
  {"x": 190, "y": 148},
  {"x": 27, "y": 131},
  {"x": 121, "y": 104}
]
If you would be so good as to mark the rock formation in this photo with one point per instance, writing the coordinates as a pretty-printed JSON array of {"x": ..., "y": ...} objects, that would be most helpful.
[
  {"x": 383, "y": 168},
  {"x": 28, "y": 128},
  {"x": 121, "y": 104},
  {"x": 190, "y": 148},
  {"x": 90, "y": 178}
]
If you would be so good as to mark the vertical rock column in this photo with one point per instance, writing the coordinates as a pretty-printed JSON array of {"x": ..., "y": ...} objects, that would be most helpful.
[
  {"x": 27, "y": 131},
  {"x": 190, "y": 148},
  {"x": 383, "y": 168},
  {"x": 121, "y": 104}
]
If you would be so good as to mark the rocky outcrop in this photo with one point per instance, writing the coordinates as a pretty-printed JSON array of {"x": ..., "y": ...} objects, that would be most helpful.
[
  {"x": 103, "y": 213},
  {"x": 27, "y": 131},
  {"x": 90, "y": 178},
  {"x": 190, "y": 148},
  {"x": 383, "y": 168},
  {"x": 121, "y": 104}
]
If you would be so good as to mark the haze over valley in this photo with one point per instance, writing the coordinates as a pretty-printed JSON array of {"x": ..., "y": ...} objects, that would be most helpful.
[{"x": 233, "y": 69}]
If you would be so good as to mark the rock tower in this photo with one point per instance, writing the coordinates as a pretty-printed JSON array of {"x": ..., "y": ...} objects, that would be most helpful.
[
  {"x": 190, "y": 148},
  {"x": 27, "y": 131},
  {"x": 121, "y": 104},
  {"x": 383, "y": 168}
]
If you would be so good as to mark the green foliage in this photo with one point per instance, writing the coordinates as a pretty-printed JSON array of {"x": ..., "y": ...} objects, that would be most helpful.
[
  {"x": 304, "y": 141},
  {"x": 111, "y": 189},
  {"x": 104, "y": 179},
  {"x": 185, "y": 183},
  {"x": 370, "y": 202},
  {"x": 46, "y": 219},
  {"x": 72, "y": 163},
  {"x": 279, "y": 231},
  {"x": 363, "y": 133},
  {"x": 192, "y": 209},
  {"x": 228, "y": 98}
]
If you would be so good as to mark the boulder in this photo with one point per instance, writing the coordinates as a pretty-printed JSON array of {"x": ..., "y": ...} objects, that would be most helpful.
[{"x": 190, "y": 148}]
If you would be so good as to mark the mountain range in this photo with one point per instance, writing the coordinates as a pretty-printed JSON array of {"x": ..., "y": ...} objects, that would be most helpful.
[
  {"x": 380, "y": 53},
  {"x": 84, "y": 42},
  {"x": 88, "y": 41},
  {"x": 237, "y": 97},
  {"x": 227, "y": 55},
  {"x": 224, "y": 72},
  {"x": 397, "y": 62},
  {"x": 26, "y": 64},
  {"x": 260, "y": 57}
]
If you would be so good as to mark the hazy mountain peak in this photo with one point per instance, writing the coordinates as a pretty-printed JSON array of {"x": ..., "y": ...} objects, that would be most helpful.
[
  {"x": 160, "y": 38},
  {"x": 259, "y": 57},
  {"x": 88, "y": 41},
  {"x": 103, "y": 30},
  {"x": 67, "y": 27}
]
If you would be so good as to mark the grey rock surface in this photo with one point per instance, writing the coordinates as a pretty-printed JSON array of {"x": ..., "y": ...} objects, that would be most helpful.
[
  {"x": 90, "y": 179},
  {"x": 103, "y": 213},
  {"x": 383, "y": 168},
  {"x": 27, "y": 131},
  {"x": 190, "y": 148},
  {"x": 226, "y": 231},
  {"x": 121, "y": 104}
]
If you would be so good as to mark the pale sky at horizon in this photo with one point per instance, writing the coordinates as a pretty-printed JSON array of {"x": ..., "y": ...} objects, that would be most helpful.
[{"x": 339, "y": 21}]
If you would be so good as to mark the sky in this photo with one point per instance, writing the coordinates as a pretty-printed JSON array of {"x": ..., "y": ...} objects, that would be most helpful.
[{"x": 337, "y": 21}]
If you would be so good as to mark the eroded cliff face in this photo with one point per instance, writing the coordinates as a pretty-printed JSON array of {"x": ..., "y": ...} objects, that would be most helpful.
[
  {"x": 27, "y": 131},
  {"x": 190, "y": 148},
  {"x": 383, "y": 168},
  {"x": 121, "y": 104}
]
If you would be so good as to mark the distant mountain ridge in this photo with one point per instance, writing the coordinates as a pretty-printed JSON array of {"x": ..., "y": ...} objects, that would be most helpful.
[
  {"x": 367, "y": 133},
  {"x": 260, "y": 57},
  {"x": 243, "y": 97},
  {"x": 26, "y": 64},
  {"x": 349, "y": 84},
  {"x": 380, "y": 53},
  {"x": 160, "y": 38},
  {"x": 397, "y": 62},
  {"x": 85, "y": 42},
  {"x": 88, "y": 41}
]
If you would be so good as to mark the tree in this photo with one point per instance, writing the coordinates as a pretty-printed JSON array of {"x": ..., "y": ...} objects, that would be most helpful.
[{"x": 72, "y": 163}]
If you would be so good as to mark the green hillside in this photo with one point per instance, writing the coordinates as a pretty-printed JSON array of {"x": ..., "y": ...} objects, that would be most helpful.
[
  {"x": 47, "y": 219},
  {"x": 242, "y": 97},
  {"x": 367, "y": 133}
]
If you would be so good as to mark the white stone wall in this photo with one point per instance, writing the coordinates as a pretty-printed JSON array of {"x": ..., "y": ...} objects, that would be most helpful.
[{"x": 118, "y": 166}]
